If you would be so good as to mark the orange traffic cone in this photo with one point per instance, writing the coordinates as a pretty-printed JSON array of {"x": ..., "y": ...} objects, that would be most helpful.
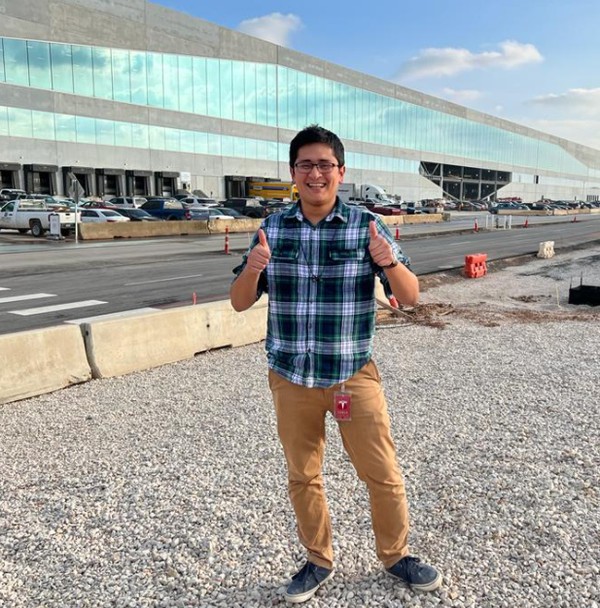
[
  {"x": 393, "y": 302},
  {"x": 397, "y": 233},
  {"x": 476, "y": 227},
  {"x": 526, "y": 224}
]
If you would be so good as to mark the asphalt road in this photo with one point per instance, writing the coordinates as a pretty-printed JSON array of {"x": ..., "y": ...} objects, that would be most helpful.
[{"x": 45, "y": 283}]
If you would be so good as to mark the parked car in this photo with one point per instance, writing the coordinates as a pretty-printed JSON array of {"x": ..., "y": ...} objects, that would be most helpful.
[
  {"x": 9, "y": 194},
  {"x": 230, "y": 212},
  {"x": 136, "y": 215},
  {"x": 198, "y": 202},
  {"x": 171, "y": 209},
  {"x": 250, "y": 207},
  {"x": 128, "y": 201},
  {"x": 86, "y": 204},
  {"x": 98, "y": 215}
]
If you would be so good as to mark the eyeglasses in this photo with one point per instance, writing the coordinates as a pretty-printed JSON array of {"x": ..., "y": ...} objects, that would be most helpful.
[{"x": 306, "y": 166}]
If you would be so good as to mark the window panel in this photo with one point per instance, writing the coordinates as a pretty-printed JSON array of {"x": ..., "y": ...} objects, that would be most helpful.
[
  {"x": 61, "y": 58},
  {"x": 310, "y": 99},
  {"x": 157, "y": 137},
  {"x": 239, "y": 147},
  {"x": 123, "y": 134},
  {"x": 282, "y": 97},
  {"x": 83, "y": 81},
  {"x": 187, "y": 141},
  {"x": 186, "y": 83},
  {"x": 300, "y": 116},
  {"x": 105, "y": 132},
  {"x": 102, "y": 70},
  {"x": 172, "y": 140},
  {"x": 140, "y": 135},
  {"x": 3, "y": 121},
  {"x": 121, "y": 75},
  {"x": 262, "y": 94},
  {"x": 226, "y": 90},
  {"x": 226, "y": 145},
  {"x": 65, "y": 127},
  {"x": 250, "y": 92},
  {"x": 154, "y": 71},
  {"x": 19, "y": 122},
  {"x": 171, "y": 82},
  {"x": 15, "y": 62},
  {"x": 239, "y": 106},
  {"x": 319, "y": 100},
  {"x": 38, "y": 59},
  {"x": 199, "y": 85},
  {"x": 292, "y": 100},
  {"x": 201, "y": 143},
  {"x": 214, "y": 144},
  {"x": 213, "y": 83},
  {"x": 272, "y": 95},
  {"x": 85, "y": 130},
  {"x": 137, "y": 75},
  {"x": 2, "y": 74},
  {"x": 43, "y": 125}
]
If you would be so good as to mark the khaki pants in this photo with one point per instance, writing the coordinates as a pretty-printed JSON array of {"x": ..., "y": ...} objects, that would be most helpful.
[{"x": 301, "y": 426}]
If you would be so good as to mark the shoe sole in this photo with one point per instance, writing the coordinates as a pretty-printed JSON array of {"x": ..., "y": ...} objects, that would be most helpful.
[
  {"x": 432, "y": 586},
  {"x": 304, "y": 597}
]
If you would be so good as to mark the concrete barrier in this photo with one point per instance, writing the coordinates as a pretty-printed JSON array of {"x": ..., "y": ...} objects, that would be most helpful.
[
  {"x": 105, "y": 230},
  {"x": 423, "y": 218},
  {"x": 121, "y": 346},
  {"x": 41, "y": 361}
]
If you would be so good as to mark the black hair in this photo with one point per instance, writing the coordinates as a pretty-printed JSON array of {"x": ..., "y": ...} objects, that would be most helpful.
[{"x": 314, "y": 134}]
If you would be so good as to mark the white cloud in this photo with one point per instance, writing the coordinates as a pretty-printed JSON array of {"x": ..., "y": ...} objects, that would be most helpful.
[
  {"x": 432, "y": 62},
  {"x": 586, "y": 132},
  {"x": 463, "y": 96},
  {"x": 276, "y": 27},
  {"x": 573, "y": 101}
]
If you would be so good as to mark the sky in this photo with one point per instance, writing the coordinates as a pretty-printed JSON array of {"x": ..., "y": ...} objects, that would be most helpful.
[{"x": 533, "y": 62}]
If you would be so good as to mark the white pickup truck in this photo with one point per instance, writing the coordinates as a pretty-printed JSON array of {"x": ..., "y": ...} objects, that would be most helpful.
[{"x": 30, "y": 214}]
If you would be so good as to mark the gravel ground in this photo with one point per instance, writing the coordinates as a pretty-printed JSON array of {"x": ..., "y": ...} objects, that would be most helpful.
[{"x": 167, "y": 487}]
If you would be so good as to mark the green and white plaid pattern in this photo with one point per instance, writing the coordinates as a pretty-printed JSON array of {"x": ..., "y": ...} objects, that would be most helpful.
[{"x": 320, "y": 282}]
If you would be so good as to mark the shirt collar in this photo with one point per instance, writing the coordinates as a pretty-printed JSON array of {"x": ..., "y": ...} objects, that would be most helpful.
[{"x": 340, "y": 211}]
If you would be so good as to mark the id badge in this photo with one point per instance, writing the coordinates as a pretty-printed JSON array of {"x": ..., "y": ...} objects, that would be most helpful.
[{"x": 342, "y": 403}]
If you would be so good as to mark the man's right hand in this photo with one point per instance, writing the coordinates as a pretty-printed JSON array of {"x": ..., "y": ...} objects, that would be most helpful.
[{"x": 260, "y": 255}]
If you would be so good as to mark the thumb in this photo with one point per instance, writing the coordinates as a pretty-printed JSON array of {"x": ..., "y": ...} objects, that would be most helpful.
[
  {"x": 373, "y": 230},
  {"x": 262, "y": 238}
]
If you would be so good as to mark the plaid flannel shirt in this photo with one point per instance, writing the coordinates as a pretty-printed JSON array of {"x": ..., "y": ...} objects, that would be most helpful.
[{"x": 320, "y": 281}]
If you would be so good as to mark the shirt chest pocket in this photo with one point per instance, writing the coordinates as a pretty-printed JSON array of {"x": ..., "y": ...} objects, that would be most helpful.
[
  {"x": 341, "y": 256},
  {"x": 284, "y": 254}
]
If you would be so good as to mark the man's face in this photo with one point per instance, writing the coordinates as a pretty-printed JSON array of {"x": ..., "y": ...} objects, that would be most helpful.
[{"x": 316, "y": 188}]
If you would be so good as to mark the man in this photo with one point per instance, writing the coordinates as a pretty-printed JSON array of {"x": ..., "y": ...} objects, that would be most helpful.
[{"x": 318, "y": 262}]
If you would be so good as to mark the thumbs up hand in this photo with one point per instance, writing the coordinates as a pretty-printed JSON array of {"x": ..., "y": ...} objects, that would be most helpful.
[
  {"x": 260, "y": 255},
  {"x": 381, "y": 251}
]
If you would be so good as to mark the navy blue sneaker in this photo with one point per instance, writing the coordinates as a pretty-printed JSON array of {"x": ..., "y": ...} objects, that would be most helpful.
[
  {"x": 306, "y": 582},
  {"x": 418, "y": 575}
]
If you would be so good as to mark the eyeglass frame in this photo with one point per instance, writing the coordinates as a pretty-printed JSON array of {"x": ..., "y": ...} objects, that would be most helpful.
[{"x": 322, "y": 162}]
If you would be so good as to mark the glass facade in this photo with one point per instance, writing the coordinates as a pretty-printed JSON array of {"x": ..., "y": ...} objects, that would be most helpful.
[
  {"x": 17, "y": 122},
  {"x": 264, "y": 94}
]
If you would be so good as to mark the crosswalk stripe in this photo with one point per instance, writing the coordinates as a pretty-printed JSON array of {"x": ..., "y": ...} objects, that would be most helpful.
[
  {"x": 26, "y": 312},
  {"x": 113, "y": 315},
  {"x": 30, "y": 296}
]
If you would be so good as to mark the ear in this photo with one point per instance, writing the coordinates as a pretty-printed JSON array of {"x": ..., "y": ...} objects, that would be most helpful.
[
  {"x": 342, "y": 173},
  {"x": 292, "y": 173}
]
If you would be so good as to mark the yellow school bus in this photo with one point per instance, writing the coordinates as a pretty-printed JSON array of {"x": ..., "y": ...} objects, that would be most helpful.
[{"x": 278, "y": 190}]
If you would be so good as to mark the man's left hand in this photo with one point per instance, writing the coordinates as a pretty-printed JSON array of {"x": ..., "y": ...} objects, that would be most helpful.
[{"x": 379, "y": 248}]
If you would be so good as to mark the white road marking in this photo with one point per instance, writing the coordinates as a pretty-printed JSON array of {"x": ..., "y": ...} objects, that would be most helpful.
[
  {"x": 26, "y": 312},
  {"x": 189, "y": 276},
  {"x": 114, "y": 315},
  {"x": 30, "y": 296},
  {"x": 4, "y": 288}
]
